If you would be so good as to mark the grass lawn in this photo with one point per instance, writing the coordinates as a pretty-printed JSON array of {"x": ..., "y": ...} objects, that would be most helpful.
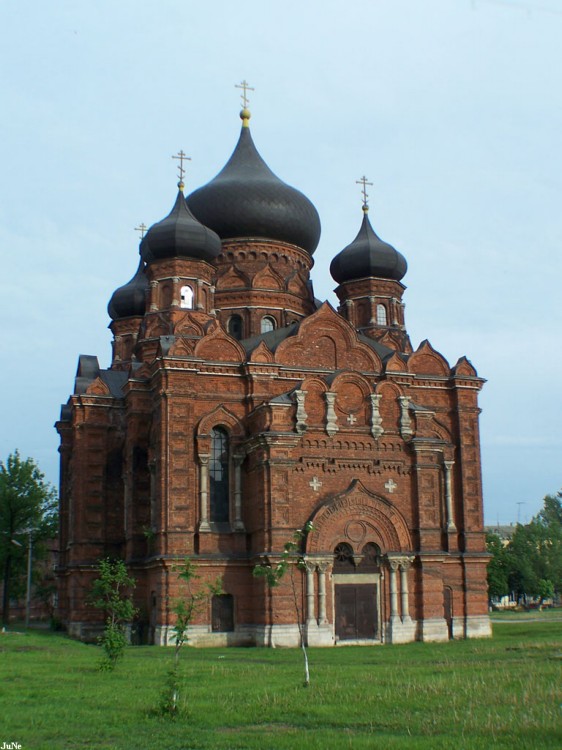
[{"x": 503, "y": 692}]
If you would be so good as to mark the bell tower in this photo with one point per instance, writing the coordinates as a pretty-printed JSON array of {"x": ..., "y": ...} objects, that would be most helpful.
[{"x": 369, "y": 273}]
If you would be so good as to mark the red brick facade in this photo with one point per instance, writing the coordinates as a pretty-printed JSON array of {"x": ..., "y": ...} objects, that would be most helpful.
[{"x": 376, "y": 445}]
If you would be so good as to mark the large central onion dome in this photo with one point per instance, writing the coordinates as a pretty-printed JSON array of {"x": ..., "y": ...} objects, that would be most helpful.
[
  {"x": 180, "y": 235},
  {"x": 247, "y": 200},
  {"x": 366, "y": 256}
]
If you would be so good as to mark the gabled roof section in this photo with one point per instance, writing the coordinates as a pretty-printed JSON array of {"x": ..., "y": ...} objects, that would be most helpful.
[
  {"x": 427, "y": 361},
  {"x": 89, "y": 371},
  {"x": 325, "y": 340}
]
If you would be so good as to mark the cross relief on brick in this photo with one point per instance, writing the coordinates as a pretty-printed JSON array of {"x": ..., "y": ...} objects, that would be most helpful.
[
  {"x": 351, "y": 418},
  {"x": 391, "y": 485},
  {"x": 315, "y": 484}
]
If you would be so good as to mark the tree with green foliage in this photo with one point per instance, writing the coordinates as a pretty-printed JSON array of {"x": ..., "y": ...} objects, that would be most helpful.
[
  {"x": 498, "y": 571},
  {"x": 28, "y": 514},
  {"x": 291, "y": 558},
  {"x": 112, "y": 593},
  {"x": 194, "y": 597},
  {"x": 532, "y": 560}
]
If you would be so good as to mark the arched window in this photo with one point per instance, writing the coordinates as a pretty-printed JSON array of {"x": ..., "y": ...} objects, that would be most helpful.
[
  {"x": 381, "y": 315},
  {"x": 186, "y": 296},
  {"x": 371, "y": 556},
  {"x": 267, "y": 324},
  {"x": 218, "y": 475},
  {"x": 343, "y": 559},
  {"x": 235, "y": 326}
]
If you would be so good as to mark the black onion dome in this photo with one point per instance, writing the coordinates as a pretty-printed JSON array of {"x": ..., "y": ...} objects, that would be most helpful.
[
  {"x": 130, "y": 299},
  {"x": 180, "y": 235},
  {"x": 246, "y": 199},
  {"x": 367, "y": 256}
]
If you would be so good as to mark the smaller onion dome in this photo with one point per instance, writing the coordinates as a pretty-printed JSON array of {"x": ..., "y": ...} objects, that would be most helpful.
[
  {"x": 246, "y": 199},
  {"x": 130, "y": 299},
  {"x": 368, "y": 256},
  {"x": 180, "y": 235}
]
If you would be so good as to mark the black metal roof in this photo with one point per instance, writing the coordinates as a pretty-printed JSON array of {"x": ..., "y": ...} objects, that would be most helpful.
[
  {"x": 130, "y": 299},
  {"x": 366, "y": 256},
  {"x": 246, "y": 199},
  {"x": 180, "y": 235}
]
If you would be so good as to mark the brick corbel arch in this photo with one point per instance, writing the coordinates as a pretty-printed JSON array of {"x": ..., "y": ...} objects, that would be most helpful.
[{"x": 358, "y": 516}]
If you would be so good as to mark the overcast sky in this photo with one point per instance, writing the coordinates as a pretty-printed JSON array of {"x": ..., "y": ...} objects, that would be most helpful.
[{"x": 452, "y": 108}]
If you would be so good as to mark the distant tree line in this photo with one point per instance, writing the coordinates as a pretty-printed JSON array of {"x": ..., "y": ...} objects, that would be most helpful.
[{"x": 529, "y": 565}]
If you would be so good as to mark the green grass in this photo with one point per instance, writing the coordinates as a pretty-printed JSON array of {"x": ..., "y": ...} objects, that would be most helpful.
[
  {"x": 532, "y": 614},
  {"x": 502, "y": 692}
]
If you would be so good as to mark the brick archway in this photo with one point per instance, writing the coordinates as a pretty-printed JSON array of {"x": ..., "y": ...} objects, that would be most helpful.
[{"x": 358, "y": 516}]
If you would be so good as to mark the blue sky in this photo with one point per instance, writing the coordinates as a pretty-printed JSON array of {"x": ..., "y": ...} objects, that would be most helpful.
[{"x": 452, "y": 108}]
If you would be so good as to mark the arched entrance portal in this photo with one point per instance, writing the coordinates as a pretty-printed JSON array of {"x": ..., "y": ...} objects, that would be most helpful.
[{"x": 357, "y": 599}]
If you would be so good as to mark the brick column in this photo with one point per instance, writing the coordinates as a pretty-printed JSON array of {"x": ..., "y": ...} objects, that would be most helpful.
[
  {"x": 310, "y": 570},
  {"x": 405, "y": 563},
  {"x": 448, "y": 467},
  {"x": 322, "y": 569},
  {"x": 238, "y": 524},
  {"x": 204, "y": 491},
  {"x": 394, "y": 565}
]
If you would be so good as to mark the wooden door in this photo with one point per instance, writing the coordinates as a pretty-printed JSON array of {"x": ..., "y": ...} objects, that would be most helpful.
[
  {"x": 222, "y": 613},
  {"x": 356, "y": 611}
]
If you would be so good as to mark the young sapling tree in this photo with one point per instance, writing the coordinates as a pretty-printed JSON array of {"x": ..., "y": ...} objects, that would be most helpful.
[
  {"x": 193, "y": 599},
  {"x": 112, "y": 593},
  {"x": 291, "y": 558}
]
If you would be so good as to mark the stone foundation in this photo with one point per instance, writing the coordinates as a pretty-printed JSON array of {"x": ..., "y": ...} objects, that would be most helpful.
[
  {"x": 478, "y": 626},
  {"x": 434, "y": 629},
  {"x": 401, "y": 630}
]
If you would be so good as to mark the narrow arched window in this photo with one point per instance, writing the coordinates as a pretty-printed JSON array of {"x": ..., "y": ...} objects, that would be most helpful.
[
  {"x": 381, "y": 315},
  {"x": 267, "y": 324},
  {"x": 235, "y": 326},
  {"x": 186, "y": 297},
  {"x": 218, "y": 476}
]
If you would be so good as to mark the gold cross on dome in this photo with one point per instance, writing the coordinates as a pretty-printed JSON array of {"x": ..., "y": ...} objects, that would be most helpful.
[
  {"x": 245, "y": 86},
  {"x": 363, "y": 181},
  {"x": 141, "y": 228},
  {"x": 181, "y": 157}
]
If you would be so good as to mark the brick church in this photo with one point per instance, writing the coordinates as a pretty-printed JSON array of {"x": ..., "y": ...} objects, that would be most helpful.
[{"x": 237, "y": 408}]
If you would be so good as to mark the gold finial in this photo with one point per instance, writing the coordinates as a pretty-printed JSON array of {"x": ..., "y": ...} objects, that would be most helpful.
[
  {"x": 245, "y": 113},
  {"x": 142, "y": 229},
  {"x": 363, "y": 181},
  {"x": 181, "y": 171}
]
